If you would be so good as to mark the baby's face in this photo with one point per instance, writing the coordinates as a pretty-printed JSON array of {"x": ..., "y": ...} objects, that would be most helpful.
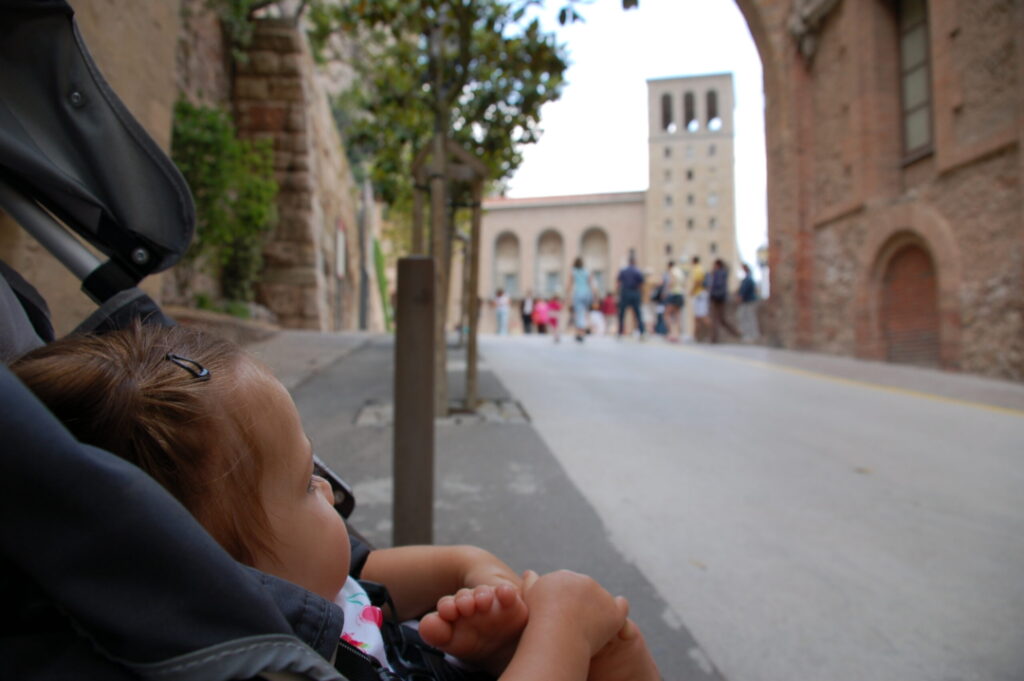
[{"x": 310, "y": 540}]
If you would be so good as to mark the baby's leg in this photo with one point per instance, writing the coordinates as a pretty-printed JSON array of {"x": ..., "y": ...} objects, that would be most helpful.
[
  {"x": 624, "y": 658},
  {"x": 481, "y": 626}
]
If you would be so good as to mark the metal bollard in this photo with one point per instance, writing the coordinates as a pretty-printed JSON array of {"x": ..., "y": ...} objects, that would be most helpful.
[{"x": 413, "y": 459}]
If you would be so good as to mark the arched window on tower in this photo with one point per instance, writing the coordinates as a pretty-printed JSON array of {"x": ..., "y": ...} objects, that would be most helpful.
[
  {"x": 714, "y": 120},
  {"x": 668, "y": 123},
  {"x": 690, "y": 112}
]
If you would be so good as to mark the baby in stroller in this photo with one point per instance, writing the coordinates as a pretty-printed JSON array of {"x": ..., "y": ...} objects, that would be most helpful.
[{"x": 216, "y": 429}]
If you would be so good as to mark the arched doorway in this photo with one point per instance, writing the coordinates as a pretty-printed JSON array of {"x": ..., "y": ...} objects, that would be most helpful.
[
  {"x": 550, "y": 259},
  {"x": 909, "y": 308},
  {"x": 594, "y": 251},
  {"x": 506, "y": 263}
]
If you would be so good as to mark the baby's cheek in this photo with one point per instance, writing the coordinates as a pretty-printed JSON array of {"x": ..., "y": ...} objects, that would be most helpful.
[{"x": 344, "y": 552}]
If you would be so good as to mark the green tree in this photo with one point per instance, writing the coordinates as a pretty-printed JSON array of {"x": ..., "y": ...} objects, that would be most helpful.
[{"x": 498, "y": 70}]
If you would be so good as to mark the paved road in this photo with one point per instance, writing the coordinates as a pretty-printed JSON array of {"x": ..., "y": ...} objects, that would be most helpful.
[{"x": 802, "y": 526}]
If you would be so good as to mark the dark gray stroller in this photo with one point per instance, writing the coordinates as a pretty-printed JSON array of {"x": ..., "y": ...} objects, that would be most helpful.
[{"x": 102, "y": 573}]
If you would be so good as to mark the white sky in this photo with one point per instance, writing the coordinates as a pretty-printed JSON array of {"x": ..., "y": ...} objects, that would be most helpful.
[{"x": 602, "y": 114}]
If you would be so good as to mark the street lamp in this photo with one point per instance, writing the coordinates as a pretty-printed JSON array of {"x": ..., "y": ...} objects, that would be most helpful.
[{"x": 762, "y": 262}]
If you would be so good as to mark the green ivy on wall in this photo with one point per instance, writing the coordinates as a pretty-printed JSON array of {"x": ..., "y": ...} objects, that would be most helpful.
[{"x": 232, "y": 182}]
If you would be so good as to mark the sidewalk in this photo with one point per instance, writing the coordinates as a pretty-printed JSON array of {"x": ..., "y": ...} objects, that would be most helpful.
[
  {"x": 947, "y": 385},
  {"x": 497, "y": 485}
]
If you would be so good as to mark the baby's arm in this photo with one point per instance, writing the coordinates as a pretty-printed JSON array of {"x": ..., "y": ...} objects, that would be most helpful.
[{"x": 418, "y": 576}]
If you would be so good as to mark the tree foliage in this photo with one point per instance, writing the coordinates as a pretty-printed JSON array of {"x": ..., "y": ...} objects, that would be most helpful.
[{"x": 497, "y": 69}]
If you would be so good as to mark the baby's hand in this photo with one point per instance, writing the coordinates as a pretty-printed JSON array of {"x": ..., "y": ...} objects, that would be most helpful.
[{"x": 569, "y": 599}]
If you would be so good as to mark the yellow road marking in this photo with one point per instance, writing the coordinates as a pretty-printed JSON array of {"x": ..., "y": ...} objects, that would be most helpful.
[{"x": 860, "y": 384}]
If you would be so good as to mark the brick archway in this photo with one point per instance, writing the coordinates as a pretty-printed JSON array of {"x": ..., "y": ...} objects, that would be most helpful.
[
  {"x": 891, "y": 232},
  {"x": 908, "y": 308}
]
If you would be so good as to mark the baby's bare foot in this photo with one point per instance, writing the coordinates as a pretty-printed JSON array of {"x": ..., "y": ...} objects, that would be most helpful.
[
  {"x": 481, "y": 626},
  {"x": 624, "y": 658}
]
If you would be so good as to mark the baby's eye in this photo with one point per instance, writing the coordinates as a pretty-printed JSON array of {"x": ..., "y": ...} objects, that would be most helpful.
[{"x": 313, "y": 480}]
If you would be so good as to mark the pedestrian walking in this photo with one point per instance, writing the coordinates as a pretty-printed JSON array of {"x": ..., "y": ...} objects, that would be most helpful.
[
  {"x": 630, "y": 283},
  {"x": 580, "y": 288},
  {"x": 747, "y": 312},
  {"x": 501, "y": 310},
  {"x": 541, "y": 316},
  {"x": 675, "y": 283},
  {"x": 555, "y": 317},
  {"x": 609, "y": 308},
  {"x": 526, "y": 312},
  {"x": 596, "y": 325},
  {"x": 658, "y": 298},
  {"x": 718, "y": 292},
  {"x": 699, "y": 295}
]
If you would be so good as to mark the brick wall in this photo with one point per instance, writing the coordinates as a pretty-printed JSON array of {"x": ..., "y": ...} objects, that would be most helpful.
[{"x": 843, "y": 200}]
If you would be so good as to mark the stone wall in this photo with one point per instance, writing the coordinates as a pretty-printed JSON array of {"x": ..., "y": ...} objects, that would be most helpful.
[{"x": 277, "y": 97}]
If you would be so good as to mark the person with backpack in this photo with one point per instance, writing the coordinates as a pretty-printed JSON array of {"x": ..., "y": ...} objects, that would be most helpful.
[
  {"x": 747, "y": 311},
  {"x": 718, "y": 294},
  {"x": 658, "y": 298},
  {"x": 631, "y": 284}
]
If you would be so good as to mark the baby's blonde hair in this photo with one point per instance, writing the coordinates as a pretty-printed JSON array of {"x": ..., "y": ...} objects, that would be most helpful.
[{"x": 120, "y": 392}]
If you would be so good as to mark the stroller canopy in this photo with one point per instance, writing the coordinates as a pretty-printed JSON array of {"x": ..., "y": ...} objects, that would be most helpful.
[{"x": 67, "y": 142}]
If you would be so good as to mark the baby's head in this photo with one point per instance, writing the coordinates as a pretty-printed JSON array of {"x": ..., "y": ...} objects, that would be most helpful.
[{"x": 215, "y": 428}]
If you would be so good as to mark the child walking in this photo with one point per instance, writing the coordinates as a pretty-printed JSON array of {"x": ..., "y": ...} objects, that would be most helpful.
[{"x": 216, "y": 429}]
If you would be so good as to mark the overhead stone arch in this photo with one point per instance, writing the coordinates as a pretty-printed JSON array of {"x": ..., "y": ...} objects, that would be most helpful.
[
  {"x": 550, "y": 262},
  {"x": 595, "y": 251},
  {"x": 507, "y": 263}
]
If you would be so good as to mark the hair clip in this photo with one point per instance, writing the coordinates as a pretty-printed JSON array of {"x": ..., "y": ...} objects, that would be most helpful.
[{"x": 198, "y": 371}]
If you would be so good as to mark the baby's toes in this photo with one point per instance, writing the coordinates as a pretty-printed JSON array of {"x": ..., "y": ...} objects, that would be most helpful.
[
  {"x": 447, "y": 608},
  {"x": 483, "y": 598},
  {"x": 435, "y": 630},
  {"x": 506, "y": 595},
  {"x": 465, "y": 602}
]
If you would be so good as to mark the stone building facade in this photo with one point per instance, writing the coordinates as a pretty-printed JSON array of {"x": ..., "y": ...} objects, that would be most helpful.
[
  {"x": 529, "y": 244},
  {"x": 690, "y": 202},
  {"x": 895, "y": 178},
  {"x": 311, "y": 262}
]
